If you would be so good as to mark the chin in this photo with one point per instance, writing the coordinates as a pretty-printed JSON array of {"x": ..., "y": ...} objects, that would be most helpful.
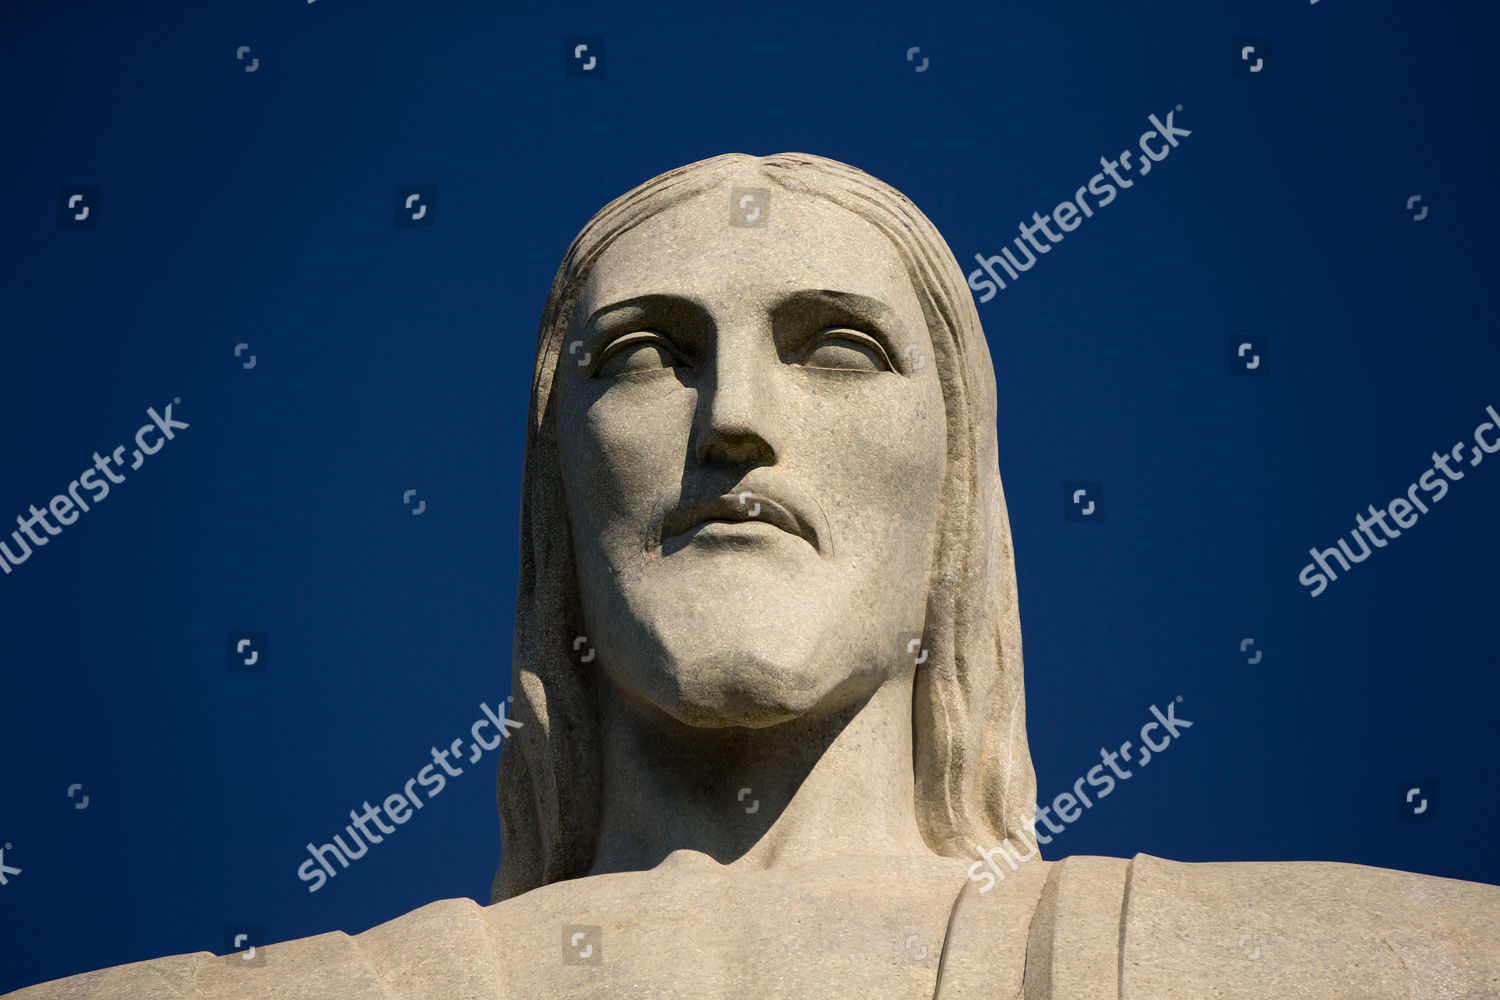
[
  {"x": 726, "y": 680},
  {"x": 738, "y": 690},
  {"x": 733, "y": 713},
  {"x": 754, "y": 649}
]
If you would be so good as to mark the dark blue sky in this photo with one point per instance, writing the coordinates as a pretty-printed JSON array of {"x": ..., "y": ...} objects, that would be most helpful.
[{"x": 258, "y": 208}]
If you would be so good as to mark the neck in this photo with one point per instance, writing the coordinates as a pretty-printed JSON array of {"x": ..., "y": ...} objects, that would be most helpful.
[{"x": 823, "y": 785}]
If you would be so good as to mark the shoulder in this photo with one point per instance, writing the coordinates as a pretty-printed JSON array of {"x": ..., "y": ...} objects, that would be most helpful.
[
  {"x": 1165, "y": 929},
  {"x": 159, "y": 979},
  {"x": 438, "y": 951},
  {"x": 1336, "y": 930}
]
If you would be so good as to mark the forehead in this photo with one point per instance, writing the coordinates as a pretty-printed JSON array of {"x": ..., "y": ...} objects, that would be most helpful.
[{"x": 808, "y": 242}]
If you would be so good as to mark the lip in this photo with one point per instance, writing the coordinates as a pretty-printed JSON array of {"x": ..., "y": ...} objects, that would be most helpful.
[{"x": 743, "y": 506}]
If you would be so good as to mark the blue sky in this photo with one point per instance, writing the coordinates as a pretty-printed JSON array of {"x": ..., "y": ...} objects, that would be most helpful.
[{"x": 258, "y": 208}]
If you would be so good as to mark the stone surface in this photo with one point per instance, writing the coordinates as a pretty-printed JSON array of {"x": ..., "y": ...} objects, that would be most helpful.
[
  {"x": 1074, "y": 947},
  {"x": 1082, "y": 928},
  {"x": 768, "y": 665},
  {"x": 1307, "y": 929}
]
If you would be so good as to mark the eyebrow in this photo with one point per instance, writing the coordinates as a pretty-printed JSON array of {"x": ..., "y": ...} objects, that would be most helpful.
[
  {"x": 853, "y": 301},
  {"x": 655, "y": 303},
  {"x": 828, "y": 300},
  {"x": 864, "y": 306}
]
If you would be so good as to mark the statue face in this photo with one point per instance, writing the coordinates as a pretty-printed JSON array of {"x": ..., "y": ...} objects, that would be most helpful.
[{"x": 752, "y": 457}]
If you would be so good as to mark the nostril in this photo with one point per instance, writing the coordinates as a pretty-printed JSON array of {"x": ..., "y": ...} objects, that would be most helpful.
[{"x": 735, "y": 449}]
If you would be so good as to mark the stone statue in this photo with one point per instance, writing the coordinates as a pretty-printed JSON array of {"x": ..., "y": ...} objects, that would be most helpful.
[{"x": 768, "y": 665}]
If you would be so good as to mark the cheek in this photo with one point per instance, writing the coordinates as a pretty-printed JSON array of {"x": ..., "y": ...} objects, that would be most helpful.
[
  {"x": 622, "y": 454},
  {"x": 878, "y": 469}
]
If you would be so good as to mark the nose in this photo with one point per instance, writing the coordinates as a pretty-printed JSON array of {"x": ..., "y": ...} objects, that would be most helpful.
[{"x": 738, "y": 408}]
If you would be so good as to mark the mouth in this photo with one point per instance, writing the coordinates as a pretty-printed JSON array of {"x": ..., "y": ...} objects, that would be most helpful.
[{"x": 743, "y": 507}]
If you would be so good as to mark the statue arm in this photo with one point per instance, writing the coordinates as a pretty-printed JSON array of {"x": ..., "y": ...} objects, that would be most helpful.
[
  {"x": 1109, "y": 928},
  {"x": 1332, "y": 930},
  {"x": 440, "y": 951},
  {"x": 168, "y": 978}
]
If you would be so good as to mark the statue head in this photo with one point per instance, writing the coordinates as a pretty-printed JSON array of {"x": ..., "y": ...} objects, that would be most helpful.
[{"x": 761, "y": 459}]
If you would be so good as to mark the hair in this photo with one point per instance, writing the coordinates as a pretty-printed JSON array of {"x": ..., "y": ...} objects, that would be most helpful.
[{"x": 972, "y": 769}]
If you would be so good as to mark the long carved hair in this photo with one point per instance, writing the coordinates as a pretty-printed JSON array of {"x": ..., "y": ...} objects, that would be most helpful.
[{"x": 974, "y": 782}]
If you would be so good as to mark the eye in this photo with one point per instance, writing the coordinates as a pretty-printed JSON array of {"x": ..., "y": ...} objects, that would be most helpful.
[
  {"x": 846, "y": 350},
  {"x": 642, "y": 351}
]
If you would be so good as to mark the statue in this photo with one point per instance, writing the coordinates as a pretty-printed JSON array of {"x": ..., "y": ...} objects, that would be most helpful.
[{"x": 768, "y": 664}]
